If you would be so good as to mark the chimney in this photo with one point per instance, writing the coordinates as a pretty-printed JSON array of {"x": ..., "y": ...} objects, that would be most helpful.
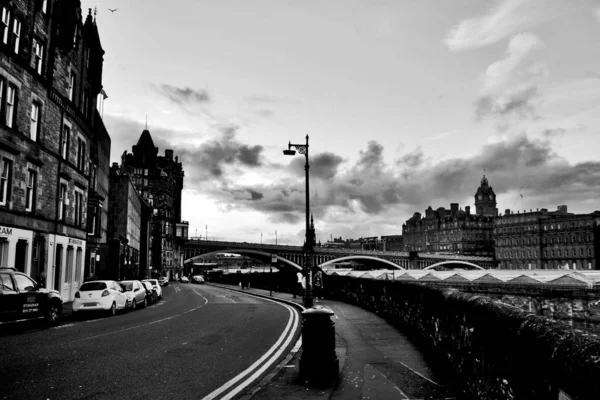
[
  {"x": 454, "y": 207},
  {"x": 507, "y": 212},
  {"x": 562, "y": 209},
  {"x": 468, "y": 210}
]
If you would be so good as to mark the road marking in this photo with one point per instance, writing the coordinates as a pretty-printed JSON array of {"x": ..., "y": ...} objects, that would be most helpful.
[
  {"x": 147, "y": 323},
  {"x": 288, "y": 332}
]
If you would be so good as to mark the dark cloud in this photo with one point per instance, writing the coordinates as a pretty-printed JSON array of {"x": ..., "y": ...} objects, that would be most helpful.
[
  {"x": 325, "y": 165},
  {"x": 412, "y": 160},
  {"x": 551, "y": 133},
  {"x": 517, "y": 103},
  {"x": 592, "y": 74},
  {"x": 183, "y": 96}
]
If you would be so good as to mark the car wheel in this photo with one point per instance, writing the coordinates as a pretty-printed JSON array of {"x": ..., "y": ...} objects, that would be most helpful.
[
  {"x": 113, "y": 310},
  {"x": 133, "y": 305},
  {"x": 53, "y": 315}
]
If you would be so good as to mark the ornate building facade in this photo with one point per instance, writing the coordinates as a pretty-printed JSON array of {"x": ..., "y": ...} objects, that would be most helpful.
[
  {"x": 159, "y": 181},
  {"x": 454, "y": 230},
  {"x": 545, "y": 239},
  {"x": 53, "y": 144}
]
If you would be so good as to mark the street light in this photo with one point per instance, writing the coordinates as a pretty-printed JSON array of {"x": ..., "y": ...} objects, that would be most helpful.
[{"x": 308, "y": 245}]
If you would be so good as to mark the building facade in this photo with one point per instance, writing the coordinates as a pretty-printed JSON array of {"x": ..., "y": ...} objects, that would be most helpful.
[
  {"x": 50, "y": 87},
  {"x": 128, "y": 231},
  {"x": 159, "y": 181},
  {"x": 545, "y": 239},
  {"x": 454, "y": 230}
]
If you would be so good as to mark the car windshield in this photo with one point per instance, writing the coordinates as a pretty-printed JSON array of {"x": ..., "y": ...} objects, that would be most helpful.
[
  {"x": 127, "y": 286},
  {"x": 91, "y": 286},
  {"x": 153, "y": 281}
]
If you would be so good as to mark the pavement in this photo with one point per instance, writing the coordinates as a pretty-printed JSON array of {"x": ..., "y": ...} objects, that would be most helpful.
[{"x": 376, "y": 361}]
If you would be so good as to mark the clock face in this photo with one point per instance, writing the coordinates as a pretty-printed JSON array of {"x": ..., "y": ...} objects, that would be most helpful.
[
  {"x": 491, "y": 197},
  {"x": 480, "y": 197}
]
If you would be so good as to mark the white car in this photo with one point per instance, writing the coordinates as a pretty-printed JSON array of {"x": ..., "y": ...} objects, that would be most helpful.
[
  {"x": 136, "y": 293},
  {"x": 155, "y": 285},
  {"x": 100, "y": 296}
]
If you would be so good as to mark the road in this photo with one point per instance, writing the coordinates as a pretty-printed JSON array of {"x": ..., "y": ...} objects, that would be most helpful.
[{"x": 189, "y": 345}]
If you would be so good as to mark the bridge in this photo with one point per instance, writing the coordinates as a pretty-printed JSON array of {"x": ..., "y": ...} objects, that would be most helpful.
[{"x": 293, "y": 256}]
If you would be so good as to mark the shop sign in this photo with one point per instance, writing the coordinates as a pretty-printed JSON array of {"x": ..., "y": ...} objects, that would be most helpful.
[
  {"x": 4, "y": 231},
  {"x": 75, "y": 242}
]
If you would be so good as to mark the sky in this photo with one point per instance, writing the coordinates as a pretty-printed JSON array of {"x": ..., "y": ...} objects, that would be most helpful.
[{"x": 407, "y": 104}]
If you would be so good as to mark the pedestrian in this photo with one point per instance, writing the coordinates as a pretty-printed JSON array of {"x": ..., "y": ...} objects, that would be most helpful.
[
  {"x": 300, "y": 284},
  {"x": 318, "y": 284}
]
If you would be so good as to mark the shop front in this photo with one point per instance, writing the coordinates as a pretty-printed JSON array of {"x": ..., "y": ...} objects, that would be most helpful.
[
  {"x": 15, "y": 248},
  {"x": 66, "y": 257}
]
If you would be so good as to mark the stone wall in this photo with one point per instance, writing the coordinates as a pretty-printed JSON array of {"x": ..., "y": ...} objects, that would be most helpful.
[{"x": 498, "y": 351}]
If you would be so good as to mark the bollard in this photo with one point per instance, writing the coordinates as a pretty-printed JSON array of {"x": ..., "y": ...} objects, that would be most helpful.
[{"x": 319, "y": 364}]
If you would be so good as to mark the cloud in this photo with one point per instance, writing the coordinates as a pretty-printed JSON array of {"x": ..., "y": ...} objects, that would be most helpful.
[
  {"x": 597, "y": 14},
  {"x": 183, "y": 96},
  {"x": 508, "y": 17},
  {"x": 592, "y": 74},
  {"x": 552, "y": 133},
  {"x": 517, "y": 102},
  {"x": 510, "y": 85},
  {"x": 344, "y": 193},
  {"x": 501, "y": 72}
]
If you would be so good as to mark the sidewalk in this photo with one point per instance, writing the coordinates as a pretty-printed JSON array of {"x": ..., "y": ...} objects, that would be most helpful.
[{"x": 377, "y": 361}]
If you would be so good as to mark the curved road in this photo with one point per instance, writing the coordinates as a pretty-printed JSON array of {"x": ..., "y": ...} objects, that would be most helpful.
[{"x": 189, "y": 345}]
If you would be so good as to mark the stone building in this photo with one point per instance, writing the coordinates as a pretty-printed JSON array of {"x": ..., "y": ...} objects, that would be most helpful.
[
  {"x": 159, "y": 181},
  {"x": 454, "y": 230},
  {"x": 545, "y": 239},
  {"x": 128, "y": 231},
  {"x": 52, "y": 140}
]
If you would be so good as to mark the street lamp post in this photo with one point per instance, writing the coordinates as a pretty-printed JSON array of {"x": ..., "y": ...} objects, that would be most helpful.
[{"x": 308, "y": 246}]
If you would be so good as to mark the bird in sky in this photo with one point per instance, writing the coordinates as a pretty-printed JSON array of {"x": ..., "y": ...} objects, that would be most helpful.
[{"x": 111, "y": 10}]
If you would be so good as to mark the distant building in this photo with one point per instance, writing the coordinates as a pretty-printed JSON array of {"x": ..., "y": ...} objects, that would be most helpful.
[
  {"x": 454, "y": 230},
  {"x": 545, "y": 239},
  {"x": 128, "y": 231},
  {"x": 159, "y": 181},
  {"x": 391, "y": 243},
  {"x": 53, "y": 145}
]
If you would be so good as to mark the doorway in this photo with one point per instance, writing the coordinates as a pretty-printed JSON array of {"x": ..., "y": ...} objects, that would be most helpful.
[{"x": 57, "y": 267}]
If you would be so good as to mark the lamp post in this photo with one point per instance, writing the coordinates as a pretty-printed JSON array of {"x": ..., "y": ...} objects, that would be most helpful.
[{"x": 308, "y": 246}]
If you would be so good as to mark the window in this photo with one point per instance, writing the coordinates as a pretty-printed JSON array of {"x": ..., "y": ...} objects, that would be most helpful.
[
  {"x": 69, "y": 269},
  {"x": 35, "y": 126},
  {"x": 93, "y": 220},
  {"x": 5, "y": 24},
  {"x": 64, "y": 152},
  {"x": 75, "y": 35},
  {"x": 38, "y": 56},
  {"x": 16, "y": 39},
  {"x": 85, "y": 103},
  {"x": 78, "y": 207},
  {"x": 62, "y": 202},
  {"x": 45, "y": 6},
  {"x": 30, "y": 191},
  {"x": 93, "y": 175},
  {"x": 81, "y": 158},
  {"x": 87, "y": 57},
  {"x": 573, "y": 252},
  {"x": 5, "y": 176},
  {"x": 71, "y": 85},
  {"x": 10, "y": 106}
]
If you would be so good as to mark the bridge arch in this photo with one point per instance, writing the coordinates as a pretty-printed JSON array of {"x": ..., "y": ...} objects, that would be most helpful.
[
  {"x": 362, "y": 257},
  {"x": 466, "y": 263},
  {"x": 261, "y": 254}
]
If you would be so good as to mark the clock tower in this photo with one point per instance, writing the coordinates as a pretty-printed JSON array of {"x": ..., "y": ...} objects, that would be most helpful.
[{"x": 485, "y": 199}]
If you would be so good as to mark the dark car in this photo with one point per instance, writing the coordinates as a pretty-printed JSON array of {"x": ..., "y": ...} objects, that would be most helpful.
[
  {"x": 151, "y": 295},
  {"x": 23, "y": 299}
]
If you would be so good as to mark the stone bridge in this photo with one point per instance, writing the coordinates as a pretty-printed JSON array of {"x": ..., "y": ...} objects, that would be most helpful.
[{"x": 292, "y": 256}]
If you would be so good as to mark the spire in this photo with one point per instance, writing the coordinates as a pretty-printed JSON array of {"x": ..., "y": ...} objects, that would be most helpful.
[{"x": 95, "y": 12}]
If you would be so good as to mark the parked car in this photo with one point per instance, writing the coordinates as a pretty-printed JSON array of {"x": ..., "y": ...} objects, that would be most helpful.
[
  {"x": 163, "y": 281},
  {"x": 23, "y": 299},
  {"x": 198, "y": 279},
  {"x": 155, "y": 285},
  {"x": 136, "y": 293},
  {"x": 151, "y": 296},
  {"x": 100, "y": 296},
  {"x": 184, "y": 279}
]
